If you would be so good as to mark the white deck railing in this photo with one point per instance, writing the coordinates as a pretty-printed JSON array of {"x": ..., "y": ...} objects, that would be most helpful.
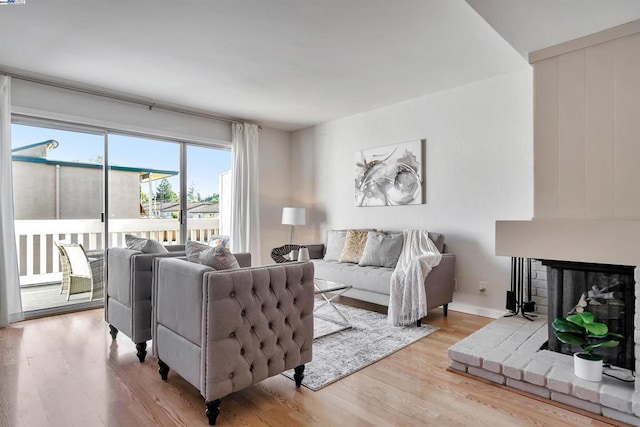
[{"x": 38, "y": 256}]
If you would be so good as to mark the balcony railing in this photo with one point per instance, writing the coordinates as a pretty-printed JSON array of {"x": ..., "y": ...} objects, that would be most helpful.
[{"x": 38, "y": 257}]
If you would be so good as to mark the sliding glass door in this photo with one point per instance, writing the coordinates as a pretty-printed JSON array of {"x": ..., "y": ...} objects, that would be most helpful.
[
  {"x": 164, "y": 190},
  {"x": 58, "y": 198}
]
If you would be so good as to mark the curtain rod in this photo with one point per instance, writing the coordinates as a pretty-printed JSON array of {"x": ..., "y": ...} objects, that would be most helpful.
[{"x": 132, "y": 100}]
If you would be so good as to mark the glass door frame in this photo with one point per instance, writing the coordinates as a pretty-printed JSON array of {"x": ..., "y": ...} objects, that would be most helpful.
[{"x": 105, "y": 132}]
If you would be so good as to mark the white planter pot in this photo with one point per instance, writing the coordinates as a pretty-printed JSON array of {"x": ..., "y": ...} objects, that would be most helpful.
[{"x": 590, "y": 370}]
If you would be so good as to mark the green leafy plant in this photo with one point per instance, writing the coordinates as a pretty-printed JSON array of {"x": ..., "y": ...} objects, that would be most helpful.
[{"x": 581, "y": 329}]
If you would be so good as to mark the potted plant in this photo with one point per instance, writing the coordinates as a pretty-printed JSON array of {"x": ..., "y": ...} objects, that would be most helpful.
[{"x": 581, "y": 329}]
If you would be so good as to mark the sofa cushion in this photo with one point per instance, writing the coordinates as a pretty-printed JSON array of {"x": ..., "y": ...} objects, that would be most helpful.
[
  {"x": 335, "y": 243},
  {"x": 436, "y": 238},
  {"x": 353, "y": 246},
  {"x": 147, "y": 246},
  {"x": 217, "y": 257},
  {"x": 382, "y": 250}
]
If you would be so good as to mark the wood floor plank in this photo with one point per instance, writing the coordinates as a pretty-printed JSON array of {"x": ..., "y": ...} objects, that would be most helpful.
[{"x": 65, "y": 370}]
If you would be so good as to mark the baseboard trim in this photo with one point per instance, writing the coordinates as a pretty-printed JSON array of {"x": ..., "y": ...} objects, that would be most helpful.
[{"x": 478, "y": 311}]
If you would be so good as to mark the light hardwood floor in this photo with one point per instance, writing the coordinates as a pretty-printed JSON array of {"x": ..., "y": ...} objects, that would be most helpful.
[{"x": 66, "y": 371}]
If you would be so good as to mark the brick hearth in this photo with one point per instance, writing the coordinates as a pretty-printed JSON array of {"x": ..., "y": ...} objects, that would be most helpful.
[{"x": 507, "y": 352}]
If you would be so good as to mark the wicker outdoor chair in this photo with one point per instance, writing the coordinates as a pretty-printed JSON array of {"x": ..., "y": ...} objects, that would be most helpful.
[{"x": 76, "y": 269}]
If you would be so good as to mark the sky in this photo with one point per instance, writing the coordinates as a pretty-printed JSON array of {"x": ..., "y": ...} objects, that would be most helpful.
[{"x": 204, "y": 165}]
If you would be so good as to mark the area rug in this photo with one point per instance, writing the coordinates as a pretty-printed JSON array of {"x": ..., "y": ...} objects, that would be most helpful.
[{"x": 338, "y": 355}]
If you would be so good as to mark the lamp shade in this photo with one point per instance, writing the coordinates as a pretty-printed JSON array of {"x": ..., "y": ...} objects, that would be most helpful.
[{"x": 294, "y": 216}]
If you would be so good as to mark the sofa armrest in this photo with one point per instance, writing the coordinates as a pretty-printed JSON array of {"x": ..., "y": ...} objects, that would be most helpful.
[
  {"x": 258, "y": 323},
  {"x": 141, "y": 266},
  {"x": 316, "y": 250},
  {"x": 243, "y": 258},
  {"x": 440, "y": 282},
  {"x": 119, "y": 274},
  {"x": 177, "y": 297}
]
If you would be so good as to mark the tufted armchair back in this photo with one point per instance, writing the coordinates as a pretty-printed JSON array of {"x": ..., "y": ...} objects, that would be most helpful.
[{"x": 225, "y": 330}]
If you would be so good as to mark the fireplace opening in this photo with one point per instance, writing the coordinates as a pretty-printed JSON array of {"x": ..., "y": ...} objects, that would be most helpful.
[{"x": 608, "y": 291}]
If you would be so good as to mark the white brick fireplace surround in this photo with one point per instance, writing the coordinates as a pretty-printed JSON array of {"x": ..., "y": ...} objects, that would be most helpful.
[{"x": 507, "y": 351}]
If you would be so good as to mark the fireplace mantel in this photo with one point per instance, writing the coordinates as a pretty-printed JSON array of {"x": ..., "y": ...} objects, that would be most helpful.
[{"x": 597, "y": 241}]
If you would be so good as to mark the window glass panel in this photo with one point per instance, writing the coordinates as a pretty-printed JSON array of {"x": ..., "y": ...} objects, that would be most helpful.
[
  {"x": 144, "y": 192},
  {"x": 208, "y": 188}
]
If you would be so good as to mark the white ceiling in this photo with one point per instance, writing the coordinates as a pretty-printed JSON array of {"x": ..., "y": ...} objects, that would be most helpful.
[
  {"x": 288, "y": 63},
  {"x": 531, "y": 25}
]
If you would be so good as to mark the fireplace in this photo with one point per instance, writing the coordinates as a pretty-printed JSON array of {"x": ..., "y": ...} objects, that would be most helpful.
[
  {"x": 607, "y": 291},
  {"x": 513, "y": 351}
]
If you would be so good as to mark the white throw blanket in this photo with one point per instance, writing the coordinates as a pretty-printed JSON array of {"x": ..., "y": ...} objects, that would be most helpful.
[{"x": 408, "y": 298}]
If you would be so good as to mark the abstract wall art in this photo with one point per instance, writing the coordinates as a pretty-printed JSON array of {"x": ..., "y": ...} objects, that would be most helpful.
[{"x": 390, "y": 175}]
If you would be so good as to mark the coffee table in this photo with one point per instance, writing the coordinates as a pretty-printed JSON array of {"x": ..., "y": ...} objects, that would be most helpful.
[{"x": 329, "y": 291}]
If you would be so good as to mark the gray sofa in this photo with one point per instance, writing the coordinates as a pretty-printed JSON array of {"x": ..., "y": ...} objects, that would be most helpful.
[
  {"x": 128, "y": 296},
  {"x": 225, "y": 330},
  {"x": 372, "y": 284}
]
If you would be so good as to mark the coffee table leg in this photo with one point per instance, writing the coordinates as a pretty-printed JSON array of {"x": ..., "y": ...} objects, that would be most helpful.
[{"x": 328, "y": 301}]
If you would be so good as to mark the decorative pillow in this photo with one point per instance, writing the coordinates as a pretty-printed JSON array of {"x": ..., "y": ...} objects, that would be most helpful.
[
  {"x": 382, "y": 250},
  {"x": 216, "y": 257},
  {"x": 147, "y": 246},
  {"x": 193, "y": 249},
  {"x": 335, "y": 242},
  {"x": 219, "y": 241},
  {"x": 216, "y": 242},
  {"x": 353, "y": 246}
]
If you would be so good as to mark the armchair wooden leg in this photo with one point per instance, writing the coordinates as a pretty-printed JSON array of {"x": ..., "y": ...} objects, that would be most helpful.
[
  {"x": 212, "y": 411},
  {"x": 298, "y": 375},
  {"x": 163, "y": 369},
  {"x": 445, "y": 309},
  {"x": 419, "y": 323},
  {"x": 142, "y": 351},
  {"x": 113, "y": 331}
]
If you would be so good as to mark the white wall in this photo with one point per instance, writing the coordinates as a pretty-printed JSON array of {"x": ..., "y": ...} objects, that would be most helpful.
[
  {"x": 479, "y": 169},
  {"x": 273, "y": 163}
]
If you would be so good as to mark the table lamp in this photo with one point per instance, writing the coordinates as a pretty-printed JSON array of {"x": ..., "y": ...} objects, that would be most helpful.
[{"x": 293, "y": 216}]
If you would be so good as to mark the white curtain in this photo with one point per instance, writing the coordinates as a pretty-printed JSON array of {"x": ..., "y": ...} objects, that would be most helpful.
[
  {"x": 10, "y": 303},
  {"x": 245, "y": 221}
]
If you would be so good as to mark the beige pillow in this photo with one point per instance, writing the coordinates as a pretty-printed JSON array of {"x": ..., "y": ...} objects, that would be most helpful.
[
  {"x": 147, "y": 246},
  {"x": 353, "y": 246},
  {"x": 216, "y": 257}
]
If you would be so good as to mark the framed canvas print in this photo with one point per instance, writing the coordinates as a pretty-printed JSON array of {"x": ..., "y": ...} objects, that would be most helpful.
[{"x": 390, "y": 175}]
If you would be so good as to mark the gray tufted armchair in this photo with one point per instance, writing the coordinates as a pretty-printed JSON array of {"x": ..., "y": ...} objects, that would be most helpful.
[
  {"x": 128, "y": 297},
  {"x": 223, "y": 331}
]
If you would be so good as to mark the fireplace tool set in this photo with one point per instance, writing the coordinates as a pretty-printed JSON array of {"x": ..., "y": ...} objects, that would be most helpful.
[{"x": 516, "y": 303}]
